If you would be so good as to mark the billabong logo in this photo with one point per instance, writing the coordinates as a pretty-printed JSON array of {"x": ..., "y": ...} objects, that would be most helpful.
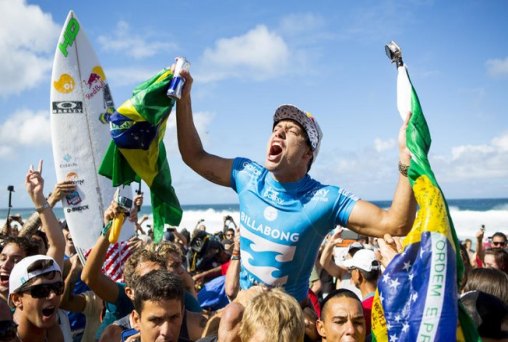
[
  {"x": 65, "y": 84},
  {"x": 67, "y": 107},
  {"x": 270, "y": 257},
  {"x": 270, "y": 213}
]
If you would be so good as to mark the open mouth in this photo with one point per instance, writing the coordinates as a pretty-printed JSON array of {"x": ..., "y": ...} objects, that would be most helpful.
[
  {"x": 275, "y": 152},
  {"x": 49, "y": 311},
  {"x": 4, "y": 279}
]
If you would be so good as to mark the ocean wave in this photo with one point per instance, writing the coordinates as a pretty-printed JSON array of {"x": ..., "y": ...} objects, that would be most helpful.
[{"x": 466, "y": 222}]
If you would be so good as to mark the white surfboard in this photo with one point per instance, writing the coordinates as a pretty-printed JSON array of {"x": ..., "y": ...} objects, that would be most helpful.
[{"x": 79, "y": 95}]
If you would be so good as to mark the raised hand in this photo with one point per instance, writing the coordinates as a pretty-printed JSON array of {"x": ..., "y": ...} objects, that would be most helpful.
[
  {"x": 389, "y": 247},
  {"x": 34, "y": 184},
  {"x": 61, "y": 189}
]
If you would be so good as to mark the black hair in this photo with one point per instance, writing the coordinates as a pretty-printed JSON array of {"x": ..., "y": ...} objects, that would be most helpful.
[
  {"x": 157, "y": 286},
  {"x": 372, "y": 275},
  {"x": 43, "y": 237},
  {"x": 29, "y": 247},
  {"x": 500, "y": 234},
  {"x": 338, "y": 293},
  {"x": 488, "y": 312}
]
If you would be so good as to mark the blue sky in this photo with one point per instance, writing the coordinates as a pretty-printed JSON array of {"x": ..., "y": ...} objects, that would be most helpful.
[{"x": 326, "y": 57}]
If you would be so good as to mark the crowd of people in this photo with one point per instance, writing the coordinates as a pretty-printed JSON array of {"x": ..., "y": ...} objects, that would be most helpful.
[
  {"x": 186, "y": 287},
  {"x": 290, "y": 270}
]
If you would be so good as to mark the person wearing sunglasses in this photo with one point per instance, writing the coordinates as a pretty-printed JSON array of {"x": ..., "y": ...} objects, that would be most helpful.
[
  {"x": 12, "y": 250},
  {"x": 498, "y": 240},
  {"x": 35, "y": 290}
]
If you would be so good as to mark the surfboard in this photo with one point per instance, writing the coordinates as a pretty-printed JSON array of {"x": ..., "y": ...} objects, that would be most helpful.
[{"x": 79, "y": 97}]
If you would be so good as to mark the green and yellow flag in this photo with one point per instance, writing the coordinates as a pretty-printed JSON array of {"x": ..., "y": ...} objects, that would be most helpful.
[
  {"x": 137, "y": 150},
  {"x": 417, "y": 295}
]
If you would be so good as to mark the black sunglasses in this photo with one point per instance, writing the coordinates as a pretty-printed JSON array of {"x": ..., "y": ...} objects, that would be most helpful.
[
  {"x": 43, "y": 290},
  {"x": 7, "y": 330},
  {"x": 499, "y": 243}
]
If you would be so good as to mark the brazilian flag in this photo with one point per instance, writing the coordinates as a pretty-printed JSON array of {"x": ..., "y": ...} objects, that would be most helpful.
[
  {"x": 137, "y": 150},
  {"x": 417, "y": 295}
]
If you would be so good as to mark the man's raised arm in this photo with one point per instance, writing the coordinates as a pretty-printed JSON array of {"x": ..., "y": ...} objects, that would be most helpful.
[
  {"x": 368, "y": 219},
  {"x": 211, "y": 167}
]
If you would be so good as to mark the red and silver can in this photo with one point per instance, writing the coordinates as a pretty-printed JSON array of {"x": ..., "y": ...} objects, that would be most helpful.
[{"x": 177, "y": 82}]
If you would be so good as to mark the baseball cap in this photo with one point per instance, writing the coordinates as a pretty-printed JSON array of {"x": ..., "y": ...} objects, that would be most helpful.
[
  {"x": 355, "y": 245},
  {"x": 20, "y": 274},
  {"x": 364, "y": 259},
  {"x": 306, "y": 120}
]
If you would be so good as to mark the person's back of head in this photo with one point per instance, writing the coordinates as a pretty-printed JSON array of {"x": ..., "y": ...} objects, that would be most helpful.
[
  {"x": 489, "y": 314},
  {"x": 272, "y": 315},
  {"x": 140, "y": 256},
  {"x": 488, "y": 280},
  {"x": 186, "y": 234}
]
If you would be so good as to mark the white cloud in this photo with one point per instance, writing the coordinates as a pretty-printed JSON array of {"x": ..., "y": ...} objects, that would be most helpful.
[
  {"x": 501, "y": 142},
  {"x": 372, "y": 172},
  {"x": 202, "y": 121},
  {"x": 124, "y": 41},
  {"x": 497, "y": 67},
  {"x": 476, "y": 162},
  {"x": 24, "y": 128},
  {"x": 27, "y": 38},
  {"x": 258, "y": 54},
  {"x": 383, "y": 145}
]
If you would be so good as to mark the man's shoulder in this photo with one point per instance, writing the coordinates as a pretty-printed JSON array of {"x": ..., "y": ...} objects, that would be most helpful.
[
  {"x": 246, "y": 166},
  {"x": 242, "y": 162},
  {"x": 314, "y": 187}
]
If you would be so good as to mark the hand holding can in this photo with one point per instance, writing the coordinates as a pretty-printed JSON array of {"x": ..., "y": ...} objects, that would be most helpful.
[{"x": 177, "y": 82}]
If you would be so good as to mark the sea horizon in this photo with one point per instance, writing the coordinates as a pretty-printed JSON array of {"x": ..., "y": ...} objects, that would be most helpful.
[
  {"x": 468, "y": 215},
  {"x": 381, "y": 203}
]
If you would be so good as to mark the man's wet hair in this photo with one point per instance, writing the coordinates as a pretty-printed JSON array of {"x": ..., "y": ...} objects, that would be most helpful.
[{"x": 157, "y": 286}]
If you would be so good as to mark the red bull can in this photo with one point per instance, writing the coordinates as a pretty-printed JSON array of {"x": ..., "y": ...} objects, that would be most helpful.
[{"x": 177, "y": 82}]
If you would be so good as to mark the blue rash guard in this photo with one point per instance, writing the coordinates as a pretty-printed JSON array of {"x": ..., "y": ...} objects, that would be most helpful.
[{"x": 283, "y": 224}]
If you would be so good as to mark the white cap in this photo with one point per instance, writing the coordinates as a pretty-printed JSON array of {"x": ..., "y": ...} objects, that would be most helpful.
[
  {"x": 364, "y": 259},
  {"x": 20, "y": 275}
]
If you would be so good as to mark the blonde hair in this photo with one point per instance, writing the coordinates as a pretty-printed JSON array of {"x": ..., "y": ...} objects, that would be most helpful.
[
  {"x": 164, "y": 248},
  {"x": 276, "y": 314}
]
